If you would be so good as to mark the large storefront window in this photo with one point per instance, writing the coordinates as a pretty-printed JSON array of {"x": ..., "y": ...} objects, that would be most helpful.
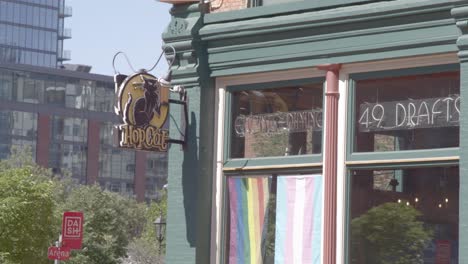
[
  {"x": 403, "y": 174},
  {"x": 281, "y": 121},
  {"x": 273, "y": 185},
  {"x": 404, "y": 216}
]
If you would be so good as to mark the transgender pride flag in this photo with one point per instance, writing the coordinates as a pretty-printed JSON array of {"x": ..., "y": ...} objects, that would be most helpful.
[{"x": 298, "y": 219}]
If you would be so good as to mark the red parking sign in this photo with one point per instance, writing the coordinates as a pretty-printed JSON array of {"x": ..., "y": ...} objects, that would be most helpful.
[
  {"x": 58, "y": 253},
  {"x": 72, "y": 229}
]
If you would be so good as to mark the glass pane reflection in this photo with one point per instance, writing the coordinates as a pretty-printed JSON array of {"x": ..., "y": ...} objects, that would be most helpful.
[
  {"x": 404, "y": 216},
  {"x": 277, "y": 122},
  {"x": 407, "y": 113}
]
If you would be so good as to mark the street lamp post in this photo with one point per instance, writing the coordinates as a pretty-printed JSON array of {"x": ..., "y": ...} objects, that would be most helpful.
[{"x": 160, "y": 226}]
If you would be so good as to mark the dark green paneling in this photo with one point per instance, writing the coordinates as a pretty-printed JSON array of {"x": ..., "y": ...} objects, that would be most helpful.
[
  {"x": 405, "y": 72},
  {"x": 276, "y": 84},
  {"x": 190, "y": 170},
  {"x": 273, "y": 161},
  {"x": 463, "y": 247},
  {"x": 366, "y": 32},
  {"x": 461, "y": 15},
  {"x": 405, "y": 154}
]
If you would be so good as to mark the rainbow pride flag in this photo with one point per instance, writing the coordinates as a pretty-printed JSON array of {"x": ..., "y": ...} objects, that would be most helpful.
[
  {"x": 298, "y": 219},
  {"x": 248, "y": 202}
]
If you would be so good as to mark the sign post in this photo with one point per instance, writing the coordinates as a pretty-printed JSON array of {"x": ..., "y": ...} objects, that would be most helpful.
[
  {"x": 58, "y": 253},
  {"x": 71, "y": 237},
  {"x": 72, "y": 230}
]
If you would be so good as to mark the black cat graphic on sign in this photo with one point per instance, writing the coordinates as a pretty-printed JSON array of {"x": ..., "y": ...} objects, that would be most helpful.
[{"x": 145, "y": 107}]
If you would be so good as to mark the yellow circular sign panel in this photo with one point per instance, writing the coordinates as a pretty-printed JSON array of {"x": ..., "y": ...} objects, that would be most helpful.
[{"x": 135, "y": 97}]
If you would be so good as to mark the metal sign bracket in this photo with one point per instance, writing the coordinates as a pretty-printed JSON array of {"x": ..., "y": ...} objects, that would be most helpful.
[{"x": 183, "y": 101}]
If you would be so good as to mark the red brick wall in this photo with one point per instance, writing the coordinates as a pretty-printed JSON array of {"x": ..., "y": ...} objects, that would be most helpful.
[
  {"x": 43, "y": 140},
  {"x": 227, "y": 5}
]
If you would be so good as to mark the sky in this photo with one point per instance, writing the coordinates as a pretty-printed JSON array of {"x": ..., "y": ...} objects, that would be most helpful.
[{"x": 101, "y": 28}]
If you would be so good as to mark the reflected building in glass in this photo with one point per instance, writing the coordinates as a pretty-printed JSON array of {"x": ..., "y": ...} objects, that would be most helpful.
[
  {"x": 66, "y": 118},
  {"x": 32, "y": 32}
]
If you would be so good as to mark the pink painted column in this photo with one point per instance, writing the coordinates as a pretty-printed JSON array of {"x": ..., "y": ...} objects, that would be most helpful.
[{"x": 330, "y": 162}]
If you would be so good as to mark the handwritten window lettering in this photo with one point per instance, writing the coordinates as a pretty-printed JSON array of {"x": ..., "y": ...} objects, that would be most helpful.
[
  {"x": 407, "y": 113},
  {"x": 277, "y": 122},
  {"x": 410, "y": 114}
]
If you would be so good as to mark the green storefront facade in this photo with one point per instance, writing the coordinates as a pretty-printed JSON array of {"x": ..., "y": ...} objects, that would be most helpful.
[{"x": 362, "y": 95}]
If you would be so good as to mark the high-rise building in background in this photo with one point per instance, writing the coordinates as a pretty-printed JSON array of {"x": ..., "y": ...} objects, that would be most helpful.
[
  {"x": 32, "y": 32},
  {"x": 63, "y": 113}
]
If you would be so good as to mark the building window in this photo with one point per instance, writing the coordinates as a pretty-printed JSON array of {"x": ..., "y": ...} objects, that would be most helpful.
[
  {"x": 17, "y": 130},
  {"x": 418, "y": 208},
  {"x": 272, "y": 180},
  {"x": 156, "y": 175},
  {"x": 6, "y": 85},
  {"x": 68, "y": 151},
  {"x": 104, "y": 99},
  {"x": 408, "y": 112},
  {"x": 279, "y": 121},
  {"x": 403, "y": 173},
  {"x": 116, "y": 166},
  {"x": 274, "y": 218}
]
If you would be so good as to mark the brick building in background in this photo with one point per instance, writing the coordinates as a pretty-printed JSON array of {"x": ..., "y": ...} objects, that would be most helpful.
[
  {"x": 61, "y": 111},
  {"x": 66, "y": 118}
]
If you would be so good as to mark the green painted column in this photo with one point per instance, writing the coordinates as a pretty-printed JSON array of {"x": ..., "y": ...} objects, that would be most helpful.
[
  {"x": 190, "y": 170},
  {"x": 461, "y": 15}
]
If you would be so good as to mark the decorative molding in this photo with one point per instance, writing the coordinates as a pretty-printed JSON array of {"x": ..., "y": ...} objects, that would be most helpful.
[
  {"x": 460, "y": 13},
  {"x": 177, "y": 26},
  {"x": 181, "y": 33},
  {"x": 368, "y": 32},
  {"x": 316, "y": 19}
]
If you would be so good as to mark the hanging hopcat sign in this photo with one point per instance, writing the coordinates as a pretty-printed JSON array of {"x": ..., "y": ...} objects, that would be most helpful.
[{"x": 143, "y": 105}]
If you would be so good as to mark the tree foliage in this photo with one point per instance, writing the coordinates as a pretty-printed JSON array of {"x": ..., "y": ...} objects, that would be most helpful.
[
  {"x": 389, "y": 234},
  {"x": 146, "y": 248},
  {"x": 111, "y": 222},
  {"x": 32, "y": 202},
  {"x": 27, "y": 221}
]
